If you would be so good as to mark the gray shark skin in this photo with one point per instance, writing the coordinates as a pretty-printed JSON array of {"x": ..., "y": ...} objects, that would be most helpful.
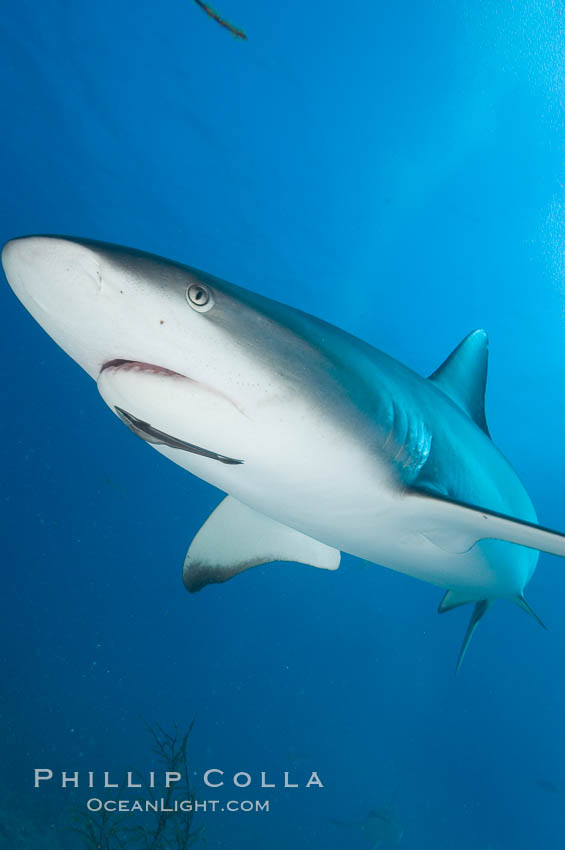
[{"x": 323, "y": 443}]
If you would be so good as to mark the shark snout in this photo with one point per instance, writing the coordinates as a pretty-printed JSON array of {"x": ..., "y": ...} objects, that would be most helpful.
[
  {"x": 18, "y": 261},
  {"x": 60, "y": 281},
  {"x": 45, "y": 269}
]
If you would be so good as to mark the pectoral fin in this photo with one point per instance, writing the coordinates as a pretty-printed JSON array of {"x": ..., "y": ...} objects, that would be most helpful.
[
  {"x": 456, "y": 526},
  {"x": 235, "y": 538}
]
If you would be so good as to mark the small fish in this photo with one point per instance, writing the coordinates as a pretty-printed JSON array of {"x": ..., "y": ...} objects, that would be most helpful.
[{"x": 237, "y": 33}]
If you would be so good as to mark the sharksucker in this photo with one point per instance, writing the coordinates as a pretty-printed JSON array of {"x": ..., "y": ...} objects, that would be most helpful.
[
  {"x": 153, "y": 435},
  {"x": 135, "y": 379},
  {"x": 321, "y": 442}
]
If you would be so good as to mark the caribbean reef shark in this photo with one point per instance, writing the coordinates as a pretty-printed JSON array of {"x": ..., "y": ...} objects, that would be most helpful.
[
  {"x": 381, "y": 828},
  {"x": 323, "y": 443}
]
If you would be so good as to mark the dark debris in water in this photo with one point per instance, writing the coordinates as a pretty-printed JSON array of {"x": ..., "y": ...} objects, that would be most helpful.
[{"x": 235, "y": 31}]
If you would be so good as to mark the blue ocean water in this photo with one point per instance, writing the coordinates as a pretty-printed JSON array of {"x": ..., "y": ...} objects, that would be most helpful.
[{"x": 397, "y": 171}]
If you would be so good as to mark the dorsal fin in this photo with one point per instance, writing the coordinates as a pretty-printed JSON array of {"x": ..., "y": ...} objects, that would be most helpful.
[{"x": 463, "y": 376}]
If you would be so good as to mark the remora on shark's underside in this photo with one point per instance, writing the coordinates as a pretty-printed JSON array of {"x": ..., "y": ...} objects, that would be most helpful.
[{"x": 323, "y": 443}]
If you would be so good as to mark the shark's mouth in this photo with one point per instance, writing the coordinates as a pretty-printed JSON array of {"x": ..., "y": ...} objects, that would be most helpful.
[{"x": 148, "y": 432}]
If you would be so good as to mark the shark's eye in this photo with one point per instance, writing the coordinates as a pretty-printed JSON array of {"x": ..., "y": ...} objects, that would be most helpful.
[{"x": 199, "y": 297}]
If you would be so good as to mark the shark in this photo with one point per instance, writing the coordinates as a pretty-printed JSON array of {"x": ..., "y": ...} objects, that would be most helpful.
[
  {"x": 322, "y": 443},
  {"x": 382, "y": 827}
]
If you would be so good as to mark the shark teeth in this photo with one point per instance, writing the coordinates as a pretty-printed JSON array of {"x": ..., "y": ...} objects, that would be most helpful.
[{"x": 140, "y": 366}]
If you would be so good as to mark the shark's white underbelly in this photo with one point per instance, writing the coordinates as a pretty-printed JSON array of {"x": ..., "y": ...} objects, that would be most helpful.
[
  {"x": 321, "y": 478},
  {"x": 367, "y": 520}
]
